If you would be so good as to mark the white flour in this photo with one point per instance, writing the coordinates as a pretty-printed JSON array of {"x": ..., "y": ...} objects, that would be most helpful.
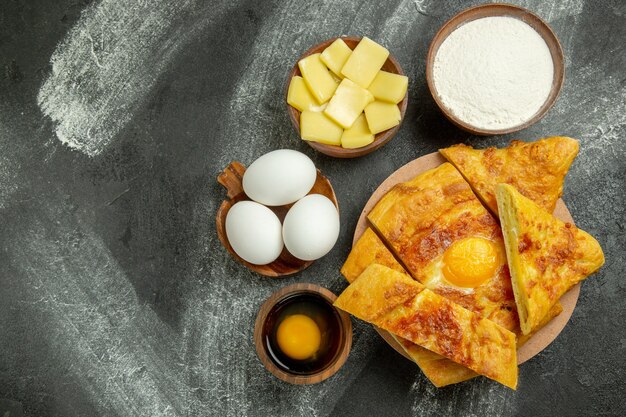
[{"x": 493, "y": 73}]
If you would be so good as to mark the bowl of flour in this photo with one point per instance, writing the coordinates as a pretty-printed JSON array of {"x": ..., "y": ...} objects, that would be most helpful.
[{"x": 495, "y": 69}]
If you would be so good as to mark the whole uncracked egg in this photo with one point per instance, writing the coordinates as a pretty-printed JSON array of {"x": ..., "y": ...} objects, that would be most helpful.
[
  {"x": 311, "y": 227},
  {"x": 254, "y": 232}
]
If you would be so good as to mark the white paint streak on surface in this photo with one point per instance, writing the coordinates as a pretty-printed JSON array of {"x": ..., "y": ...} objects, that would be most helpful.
[
  {"x": 280, "y": 41},
  {"x": 221, "y": 360},
  {"x": 401, "y": 21},
  {"x": 563, "y": 17},
  {"x": 121, "y": 353},
  {"x": 8, "y": 176},
  {"x": 109, "y": 61}
]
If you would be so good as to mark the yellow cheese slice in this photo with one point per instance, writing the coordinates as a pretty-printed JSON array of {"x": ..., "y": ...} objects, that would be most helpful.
[
  {"x": 365, "y": 61},
  {"x": 348, "y": 103},
  {"x": 389, "y": 87},
  {"x": 300, "y": 97},
  {"x": 358, "y": 135},
  {"x": 335, "y": 56},
  {"x": 382, "y": 116},
  {"x": 317, "y": 78},
  {"x": 316, "y": 127}
]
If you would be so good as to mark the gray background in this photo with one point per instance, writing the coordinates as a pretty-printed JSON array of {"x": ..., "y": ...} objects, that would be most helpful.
[{"x": 116, "y": 297}]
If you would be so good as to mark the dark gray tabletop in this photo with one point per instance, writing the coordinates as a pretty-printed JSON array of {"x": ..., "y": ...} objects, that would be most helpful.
[{"x": 117, "y": 299}]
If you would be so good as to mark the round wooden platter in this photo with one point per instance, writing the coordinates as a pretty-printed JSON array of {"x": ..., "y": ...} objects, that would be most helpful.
[
  {"x": 540, "y": 340},
  {"x": 344, "y": 348},
  {"x": 498, "y": 9},
  {"x": 391, "y": 65},
  {"x": 286, "y": 264}
]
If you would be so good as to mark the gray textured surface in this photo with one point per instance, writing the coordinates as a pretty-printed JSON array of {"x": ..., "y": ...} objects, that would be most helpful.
[{"x": 116, "y": 297}]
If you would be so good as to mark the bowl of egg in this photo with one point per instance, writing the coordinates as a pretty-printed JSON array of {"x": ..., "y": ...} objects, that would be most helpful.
[
  {"x": 495, "y": 69},
  {"x": 347, "y": 96},
  {"x": 281, "y": 213},
  {"x": 300, "y": 337}
]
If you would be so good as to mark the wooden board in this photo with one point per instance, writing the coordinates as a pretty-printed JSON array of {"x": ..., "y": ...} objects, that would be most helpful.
[{"x": 543, "y": 337}]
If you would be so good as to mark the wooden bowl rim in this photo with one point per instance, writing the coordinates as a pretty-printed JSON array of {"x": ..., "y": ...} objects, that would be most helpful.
[
  {"x": 227, "y": 203},
  {"x": 499, "y": 9},
  {"x": 380, "y": 139},
  {"x": 544, "y": 336},
  {"x": 346, "y": 330}
]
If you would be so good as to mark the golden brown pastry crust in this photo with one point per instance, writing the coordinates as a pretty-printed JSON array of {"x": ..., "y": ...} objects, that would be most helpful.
[
  {"x": 395, "y": 302},
  {"x": 537, "y": 169},
  {"x": 494, "y": 299},
  {"x": 546, "y": 255},
  {"x": 368, "y": 250},
  {"x": 421, "y": 218}
]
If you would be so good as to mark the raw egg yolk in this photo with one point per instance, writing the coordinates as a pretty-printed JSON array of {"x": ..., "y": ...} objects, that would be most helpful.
[
  {"x": 469, "y": 262},
  {"x": 298, "y": 337}
]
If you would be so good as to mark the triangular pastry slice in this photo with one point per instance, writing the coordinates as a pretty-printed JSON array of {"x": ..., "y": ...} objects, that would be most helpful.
[
  {"x": 546, "y": 256},
  {"x": 368, "y": 250},
  {"x": 395, "y": 302},
  {"x": 537, "y": 169}
]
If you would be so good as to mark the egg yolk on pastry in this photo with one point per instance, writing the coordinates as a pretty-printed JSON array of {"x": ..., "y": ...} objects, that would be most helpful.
[
  {"x": 471, "y": 261},
  {"x": 298, "y": 337}
]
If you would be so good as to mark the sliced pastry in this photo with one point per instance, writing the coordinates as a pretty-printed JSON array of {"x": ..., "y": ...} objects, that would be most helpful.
[
  {"x": 395, "y": 302},
  {"x": 448, "y": 241},
  {"x": 537, "y": 169},
  {"x": 546, "y": 256},
  {"x": 368, "y": 250}
]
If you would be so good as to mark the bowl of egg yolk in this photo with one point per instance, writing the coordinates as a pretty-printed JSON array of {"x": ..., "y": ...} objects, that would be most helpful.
[{"x": 300, "y": 337}]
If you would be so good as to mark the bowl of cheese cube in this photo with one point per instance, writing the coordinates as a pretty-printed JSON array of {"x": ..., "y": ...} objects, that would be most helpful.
[{"x": 347, "y": 96}]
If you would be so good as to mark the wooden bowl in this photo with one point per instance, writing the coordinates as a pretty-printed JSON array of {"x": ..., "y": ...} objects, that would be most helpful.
[
  {"x": 286, "y": 264},
  {"x": 391, "y": 65},
  {"x": 345, "y": 325},
  {"x": 544, "y": 336},
  {"x": 487, "y": 10}
]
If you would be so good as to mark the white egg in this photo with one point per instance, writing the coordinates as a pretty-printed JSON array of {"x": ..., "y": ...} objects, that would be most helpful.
[
  {"x": 279, "y": 177},
  {"x": 254, "y": 232},
  {"x": 311, "y": 227}
]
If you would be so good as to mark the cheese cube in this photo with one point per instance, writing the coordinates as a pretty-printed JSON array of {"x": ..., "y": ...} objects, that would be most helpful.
[
  {"x": 348, "y": 103},
  {"x": 365, "y": 61},
  {"x": 382, "y": 116},
  {"x": 358, "y": 135},
  {"x": 389, "y": 87},
  {"x": 317, "y": 78},
  {"x": 300, "y": 97},
  {"x": 335, "y": 56},
  {"x": 315, "y": 126}
]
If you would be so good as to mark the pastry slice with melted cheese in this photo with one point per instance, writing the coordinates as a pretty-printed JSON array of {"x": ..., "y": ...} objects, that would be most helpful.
[
  {"x": 536, "y": 169},
  {"x": 546, "y": 256},
  {"x": 368, "y": 250},
  {"x": 449, "y": 242},
  {"x": 393, "y": 301},
  {"x": 436, "y": 227}
]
